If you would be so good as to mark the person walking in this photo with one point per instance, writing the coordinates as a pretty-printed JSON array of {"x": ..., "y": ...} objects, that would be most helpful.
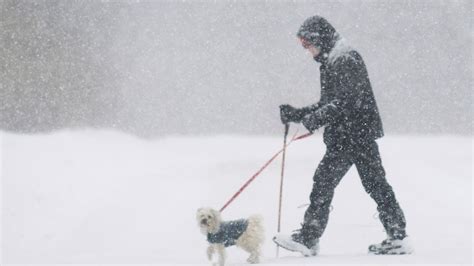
[{"x": 348, "y": 112}]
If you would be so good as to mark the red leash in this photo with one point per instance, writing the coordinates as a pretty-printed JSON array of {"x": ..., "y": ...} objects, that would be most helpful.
[{"x": 262, "y": 168}]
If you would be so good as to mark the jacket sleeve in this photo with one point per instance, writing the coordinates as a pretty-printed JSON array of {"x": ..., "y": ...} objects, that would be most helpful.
[
  {"x": 311, "y": 108},
  {"x": 347, "y": 73}
]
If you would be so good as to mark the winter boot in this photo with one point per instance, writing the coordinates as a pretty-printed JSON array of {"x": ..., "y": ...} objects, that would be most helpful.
[
  {"x": 392, "y": 246},
  {"x": 297, "y": 242}
]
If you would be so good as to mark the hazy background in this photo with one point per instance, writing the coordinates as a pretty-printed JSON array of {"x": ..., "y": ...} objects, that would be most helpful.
[{"x": 168, "y": 67}]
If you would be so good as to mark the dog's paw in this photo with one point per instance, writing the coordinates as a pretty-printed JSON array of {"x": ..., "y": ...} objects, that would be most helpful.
[{"x": 253, "y": 260}]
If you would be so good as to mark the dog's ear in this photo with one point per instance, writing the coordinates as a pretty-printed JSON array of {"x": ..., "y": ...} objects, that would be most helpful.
[
  {"x": 199, "y": 212},
  {"x": 216, "y": 214}
]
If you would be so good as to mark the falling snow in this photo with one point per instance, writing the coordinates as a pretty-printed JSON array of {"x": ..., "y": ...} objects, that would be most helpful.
[{"x": 118, "y": 119}]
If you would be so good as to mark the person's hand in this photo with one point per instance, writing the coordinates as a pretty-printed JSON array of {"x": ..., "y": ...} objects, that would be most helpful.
[
  {"x": 311, "y": 122},
  {"x": 290, "y": 114}
]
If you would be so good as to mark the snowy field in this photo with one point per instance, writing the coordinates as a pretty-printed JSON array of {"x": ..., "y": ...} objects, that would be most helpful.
[{"x": 101, "y": 197}]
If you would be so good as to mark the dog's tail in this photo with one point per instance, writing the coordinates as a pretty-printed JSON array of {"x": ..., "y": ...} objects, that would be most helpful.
[{"x": 256, "y": 218}]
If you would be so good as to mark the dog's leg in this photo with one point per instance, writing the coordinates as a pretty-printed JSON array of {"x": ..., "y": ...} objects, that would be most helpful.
[
  {"x": 254, "y": 256},
  {"x": 210, "y": 252},
  {"x": 222, "y": 256}
]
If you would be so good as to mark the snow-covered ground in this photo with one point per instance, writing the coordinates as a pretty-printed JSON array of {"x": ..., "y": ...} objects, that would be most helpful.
[{"x": 105, "y": 197}]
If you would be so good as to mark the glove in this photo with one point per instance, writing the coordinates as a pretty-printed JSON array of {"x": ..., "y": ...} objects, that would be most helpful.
[
  {"x": 290, "y": 114},
  {"x": 311, "y": 123}
]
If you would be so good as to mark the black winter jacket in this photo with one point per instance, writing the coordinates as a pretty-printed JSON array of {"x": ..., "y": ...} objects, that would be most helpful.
[{"x": 347, "y": 106}]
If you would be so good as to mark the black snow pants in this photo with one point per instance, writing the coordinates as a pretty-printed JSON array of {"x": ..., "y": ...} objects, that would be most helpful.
[{"x": 335, "y": 164}]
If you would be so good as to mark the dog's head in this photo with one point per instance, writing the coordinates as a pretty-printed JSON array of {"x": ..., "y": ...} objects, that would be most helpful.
[{"x": 209, "y": 220}]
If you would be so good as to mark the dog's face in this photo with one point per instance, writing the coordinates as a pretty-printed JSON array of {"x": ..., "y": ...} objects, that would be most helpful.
[{"x": 208, "y": 220}]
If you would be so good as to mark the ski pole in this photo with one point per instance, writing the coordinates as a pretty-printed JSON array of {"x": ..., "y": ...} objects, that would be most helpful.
[{"x": 287, "y": 127}]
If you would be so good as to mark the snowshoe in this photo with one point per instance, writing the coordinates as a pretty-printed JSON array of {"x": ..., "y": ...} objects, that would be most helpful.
[
  {"x": 391, "y": 247},
  {"x": 297, "y": 243}
]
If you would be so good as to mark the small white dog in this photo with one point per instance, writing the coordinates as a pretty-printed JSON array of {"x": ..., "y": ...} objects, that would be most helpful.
[{"x": 247, "y": 234}]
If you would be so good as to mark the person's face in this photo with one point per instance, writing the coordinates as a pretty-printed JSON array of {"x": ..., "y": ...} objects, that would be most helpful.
[{"x": 308, "y": 46}]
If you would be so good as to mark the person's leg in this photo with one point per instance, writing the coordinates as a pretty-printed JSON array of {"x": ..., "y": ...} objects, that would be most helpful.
[
  {"x": 369, "y": 165},
  {"x": 334, "y": 165}
]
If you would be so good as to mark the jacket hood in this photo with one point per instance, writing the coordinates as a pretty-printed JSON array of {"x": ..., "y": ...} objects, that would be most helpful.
[{"x": 319, "y": 32}]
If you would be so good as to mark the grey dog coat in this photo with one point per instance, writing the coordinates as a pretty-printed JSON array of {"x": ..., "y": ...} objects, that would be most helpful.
[{"x": 228, "y": 232}]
